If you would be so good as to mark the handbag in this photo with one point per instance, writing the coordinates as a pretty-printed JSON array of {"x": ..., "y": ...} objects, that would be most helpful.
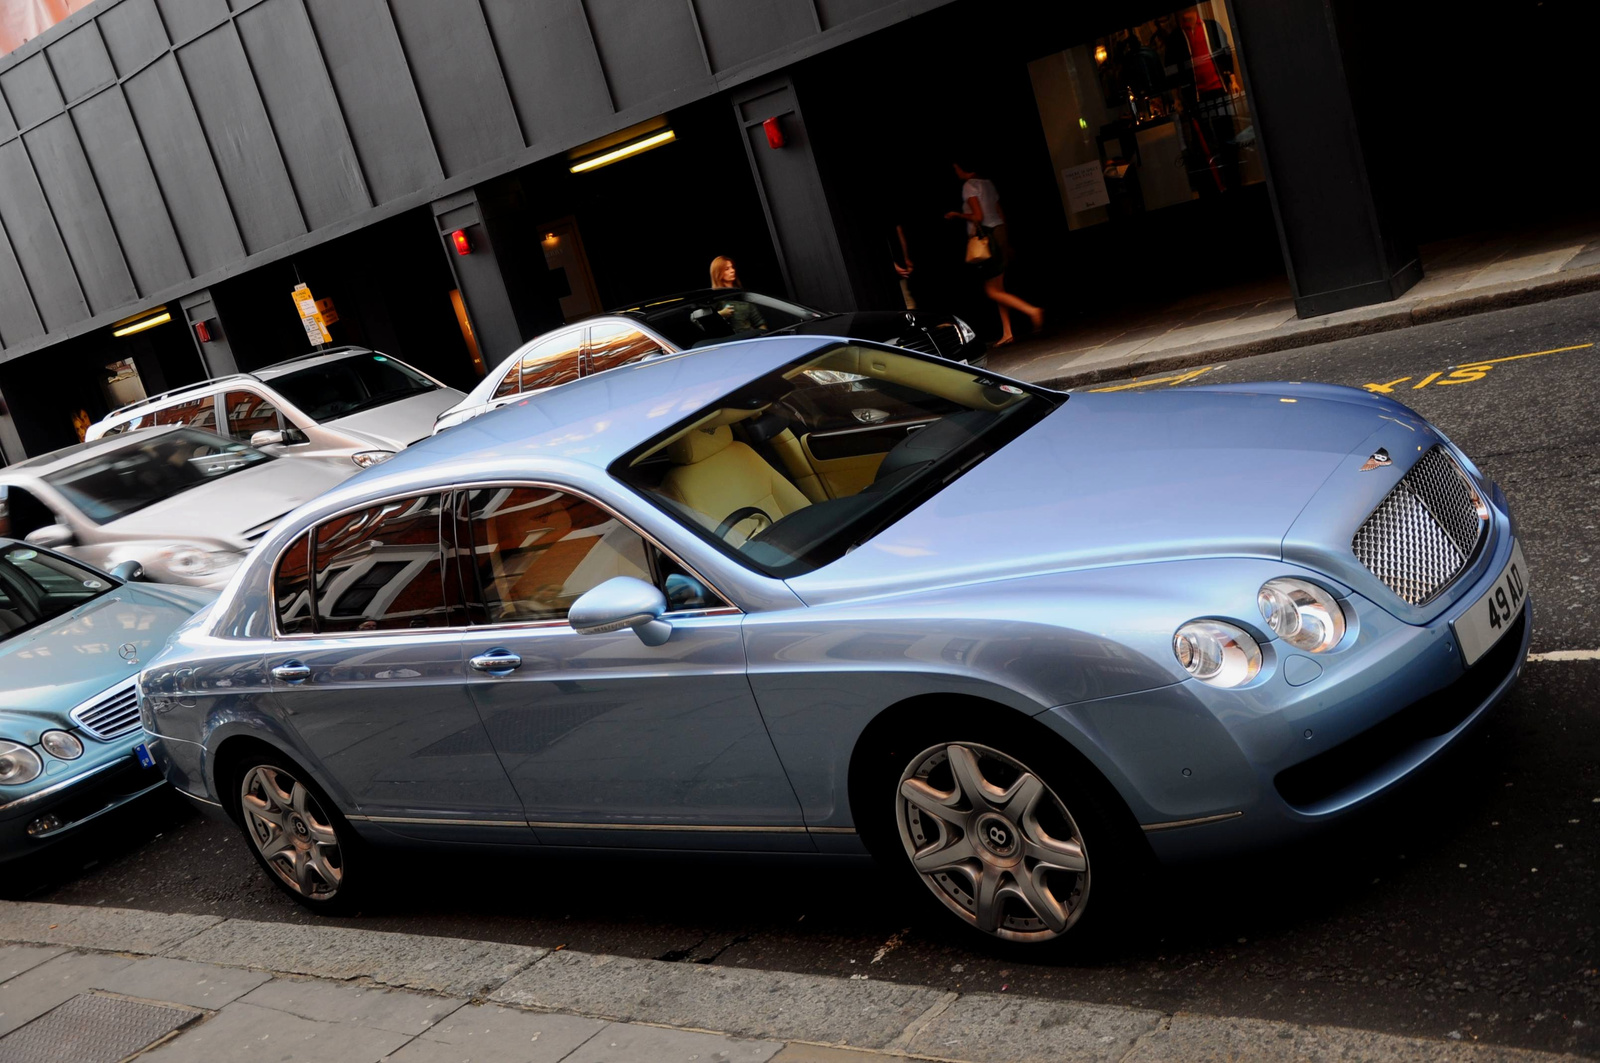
[{"x": 978, "y": 250}]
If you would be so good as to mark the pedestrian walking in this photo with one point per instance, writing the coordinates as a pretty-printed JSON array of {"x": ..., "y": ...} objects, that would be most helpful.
[{"x": 988, "y": 249}]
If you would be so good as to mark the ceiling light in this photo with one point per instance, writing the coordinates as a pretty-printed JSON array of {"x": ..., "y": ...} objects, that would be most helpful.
[
  {"x": 655, "y": 140},
  {"x": 142, "y": 324}
]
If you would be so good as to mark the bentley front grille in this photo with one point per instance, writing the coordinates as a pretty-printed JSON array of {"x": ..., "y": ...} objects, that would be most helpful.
[
  {"x": 1422, "y": 535},
  {"x": 110, "y": 716}
]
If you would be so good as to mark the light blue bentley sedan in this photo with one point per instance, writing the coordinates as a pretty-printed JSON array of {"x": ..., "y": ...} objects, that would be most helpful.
[
  {"x": 818, "y": 596},
  {"x": 71, "y": 641}
]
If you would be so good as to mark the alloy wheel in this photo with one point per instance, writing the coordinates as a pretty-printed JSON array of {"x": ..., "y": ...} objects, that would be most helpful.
[
  {"x": 290, "y": 830},
  {"x": 993, "y": 842}
]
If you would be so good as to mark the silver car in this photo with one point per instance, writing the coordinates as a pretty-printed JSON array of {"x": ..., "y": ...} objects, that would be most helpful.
[
  {"x": 347, "y": 404},
  {"x": 184, "y": 504}
]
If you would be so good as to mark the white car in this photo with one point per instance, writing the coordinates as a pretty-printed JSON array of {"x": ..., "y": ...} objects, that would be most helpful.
[{"x": 347, "y": 404}]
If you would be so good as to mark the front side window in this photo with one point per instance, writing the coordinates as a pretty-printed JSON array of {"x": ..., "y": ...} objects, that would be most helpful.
[
  {"x": 249, "y": 413},
  {"x": 797, "y": 467},
  {"x": 553, "y": 362},
  {"x": 720, "y": 316},
  {"x": 381, "y": 568},
  {"x": 613, "y": 345},
  {"x": 350, "y": 385},
  {"x": 536, "y": 550},
  {"x": 149, "y": 469}
]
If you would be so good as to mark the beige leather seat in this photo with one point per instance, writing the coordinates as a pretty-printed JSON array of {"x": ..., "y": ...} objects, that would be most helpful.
[{"x": 716, "y": 475}]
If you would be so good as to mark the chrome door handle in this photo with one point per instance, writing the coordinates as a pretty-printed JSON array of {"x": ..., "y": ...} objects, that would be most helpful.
[
  {"x": 291, "y": 672},
  {"x": 496, "y": 661}
]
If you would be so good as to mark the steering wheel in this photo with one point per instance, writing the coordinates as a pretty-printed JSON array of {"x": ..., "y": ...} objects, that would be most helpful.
[{"x": 743, "y": 513}]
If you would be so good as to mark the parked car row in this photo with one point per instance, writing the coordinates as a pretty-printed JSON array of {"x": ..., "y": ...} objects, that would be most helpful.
[{"x": 796, "y": 594}]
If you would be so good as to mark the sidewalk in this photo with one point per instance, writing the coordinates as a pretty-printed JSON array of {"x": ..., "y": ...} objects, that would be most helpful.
[
  {"x": 1461, "y": 277},
  {"x": 99, "y": 985}
]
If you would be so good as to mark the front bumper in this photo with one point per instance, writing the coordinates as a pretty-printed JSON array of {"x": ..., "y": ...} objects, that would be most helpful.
[
  {"x": 1209, "y": 771},
  {"x": 72, "y": 803}
]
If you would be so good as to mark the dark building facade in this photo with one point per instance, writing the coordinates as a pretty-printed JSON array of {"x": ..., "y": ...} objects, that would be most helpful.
[{"x": 199, "y": 159}]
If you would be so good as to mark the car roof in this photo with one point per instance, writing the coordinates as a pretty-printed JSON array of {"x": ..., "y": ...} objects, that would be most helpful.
[
  {"x": 302, "y": 361},
  {"x": 597, "y": 419},
  {"x": 44, "y": 464},
  {"x": 697, "y": 295}
]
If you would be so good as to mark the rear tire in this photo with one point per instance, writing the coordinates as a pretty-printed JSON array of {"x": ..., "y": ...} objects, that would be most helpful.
[
  {"x": 297, "y": 834},
  {"x": 1005, "y": 829}
]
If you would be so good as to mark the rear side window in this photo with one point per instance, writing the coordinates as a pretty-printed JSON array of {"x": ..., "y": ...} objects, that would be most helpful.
[
  {"x": 249, "y": 413},
  {"x": 291, "y": 588},
  {"x": 196, "y": 413},
  {"x": 614, "y": 345},
  {"x": 555, "y": 361}
]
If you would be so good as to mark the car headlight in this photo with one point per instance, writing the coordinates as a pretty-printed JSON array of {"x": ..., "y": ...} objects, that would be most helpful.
[
  {"x": 63, "y": 745},
  {"x": 368, "y": 458},
  {"x": 1302, "y": 614},
  {"x": 190, "y": 561},
  {"x": 1217, "y": 653},
  {"x": 964, "y": 331},
  {"x": 18, "y": 764}
]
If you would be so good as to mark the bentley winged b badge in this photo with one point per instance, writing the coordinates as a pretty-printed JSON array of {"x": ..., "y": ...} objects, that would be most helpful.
[{"x": 1379, "y": 460}]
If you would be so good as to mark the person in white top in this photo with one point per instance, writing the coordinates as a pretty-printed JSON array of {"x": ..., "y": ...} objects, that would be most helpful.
[{"x": 983, "y": 213}]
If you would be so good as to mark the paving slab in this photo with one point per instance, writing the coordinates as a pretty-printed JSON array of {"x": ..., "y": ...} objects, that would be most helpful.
[
  {"x": 1203, "y": 1039},
  {"x": 992, "y": 1028},
  {"x": 395, "y": 1010},
  {"x": 488, "y": 1033},
  {"x": 802, "y": 1053},
  {"x": 200, "y": 985},
  {"x": 107, "y": 929},
  {"x": 623, "y": 1043},
  {"x": 407, "y": 961},
  {"x": 31, "y": 994},
  {"x": 768, "y": 1004},
  {"x": 14, "y": 959},
  {"x": 241, "y": 1033}
]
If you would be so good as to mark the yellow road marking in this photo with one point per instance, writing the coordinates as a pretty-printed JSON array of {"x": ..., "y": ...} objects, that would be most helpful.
[
  {"x": 1384, "y": 389},
  {"x": 1464, "y": 373},
  {"x": 1170, "y": 381},
  {"x": 1515, "y": 357}
]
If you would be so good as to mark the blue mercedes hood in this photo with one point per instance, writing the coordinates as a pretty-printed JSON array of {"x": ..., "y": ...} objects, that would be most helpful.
[
  {"x": 1114, "y": 478},
  {"x": 47, "y": 671}
]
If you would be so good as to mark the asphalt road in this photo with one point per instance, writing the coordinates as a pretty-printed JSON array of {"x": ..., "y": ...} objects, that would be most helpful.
[{"x": 1463, "y": 908}]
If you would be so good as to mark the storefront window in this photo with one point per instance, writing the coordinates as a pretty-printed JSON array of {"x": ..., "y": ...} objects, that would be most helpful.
[{"x": 1148, "y": 117}]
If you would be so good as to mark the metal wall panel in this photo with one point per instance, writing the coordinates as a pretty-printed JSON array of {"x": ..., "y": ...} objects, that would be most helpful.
[
  {"x": 18, "y": 320},
  {"x": 380, "y": 103},
  {"x": 550, "y": 65},
  {"x": 647, "y": 50},
  {"x": 111, "y": 141},
  {"x": 30, "y": 89},
  {"x": 183, "y": 166},
  {"x": 242, "y": 141},
  {"x": 8, "y": 128},
  {"x": 186, "y": 19},
  {"x": 458, "y": 78},
  {"x": 133, "y": 34},
  {"x": 838, "y": 12},
  {"x": 305, "y": 114},
  {"x": 81, "y": 63},
  {"x": 737, "y": 31},
  {"x": 80, "y": 213},
  {"x": 40, "y": 253}
]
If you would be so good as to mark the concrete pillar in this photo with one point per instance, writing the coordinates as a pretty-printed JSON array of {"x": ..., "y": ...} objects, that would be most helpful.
[{"x": 1342, "y": 244}]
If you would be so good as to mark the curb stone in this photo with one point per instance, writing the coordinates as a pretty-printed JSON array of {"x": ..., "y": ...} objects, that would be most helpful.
[{"x": 878, "y": 1020}]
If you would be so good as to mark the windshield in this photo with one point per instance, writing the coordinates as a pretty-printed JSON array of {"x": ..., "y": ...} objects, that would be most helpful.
[
  {"x": 36, "y": 586},
  {"x": 350, "y": 385},
  {"x": 797, "y": 468},
  {"x": 149, "y": 469},
  {"x": 720, "y": 316}
]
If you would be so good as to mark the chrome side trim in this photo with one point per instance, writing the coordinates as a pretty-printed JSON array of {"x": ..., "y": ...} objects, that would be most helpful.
[
  {"x": 1174, "y": 824},
  {"x": 832, "y": 830},
  {"x": 199, "y": 799},
  {"x": 40, "y": 795},
  {"x": 708, "y": 828},
  {"x": 425, "y": 821}
]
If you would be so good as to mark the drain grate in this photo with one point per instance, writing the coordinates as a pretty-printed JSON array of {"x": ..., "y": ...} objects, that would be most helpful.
[{"x": 92, "y": 1029}]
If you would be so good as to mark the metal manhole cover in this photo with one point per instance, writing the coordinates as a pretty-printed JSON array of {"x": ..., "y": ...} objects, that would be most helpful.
[{"x": 92, "y": 1029}]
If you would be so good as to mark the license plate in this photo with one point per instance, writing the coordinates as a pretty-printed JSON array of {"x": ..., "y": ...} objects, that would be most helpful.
[
  {"x": 1491, "y": 616},
  {"x": 142, "y": 753}
]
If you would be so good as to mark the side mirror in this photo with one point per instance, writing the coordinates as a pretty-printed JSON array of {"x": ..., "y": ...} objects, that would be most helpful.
[
  {"x": 267, "y": 437},
  {"x": 51, "y": 536},
  {"x": 128, "y": 571},
  {"x": 620, "y": 602}
]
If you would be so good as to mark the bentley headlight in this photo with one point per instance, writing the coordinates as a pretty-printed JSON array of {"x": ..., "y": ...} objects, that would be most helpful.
[
  {"x": 1217, "y": 653},
  {"x": 368, "y": 458},
  {"x": 63, "y": 745},
  {"x": 1302, "y": 614},
  {"x": 18, "y": 764},
  {"x": 191, "y": 561},
  {"x": 964, "y": 331}
]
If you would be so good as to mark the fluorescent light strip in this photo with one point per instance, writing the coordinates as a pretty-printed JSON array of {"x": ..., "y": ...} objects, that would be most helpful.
[
  {"x": 140, "y": 326},
  {"x": 666, "y": 136}
]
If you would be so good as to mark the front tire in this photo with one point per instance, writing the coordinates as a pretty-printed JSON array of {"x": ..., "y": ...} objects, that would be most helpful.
[{"x": 297, "y": 834}]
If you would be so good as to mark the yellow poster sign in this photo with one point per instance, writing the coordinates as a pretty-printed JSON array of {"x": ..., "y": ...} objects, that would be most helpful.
[{"x": 310, "y": 317}]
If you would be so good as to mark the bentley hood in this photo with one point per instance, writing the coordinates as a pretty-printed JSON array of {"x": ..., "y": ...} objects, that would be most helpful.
[{"x": 1117, "y": 478}]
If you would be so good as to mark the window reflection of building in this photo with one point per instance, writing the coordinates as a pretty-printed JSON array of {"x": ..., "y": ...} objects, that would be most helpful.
[
  {"x": 1148, "y": 116},
  {"x": 381, "y": 568}
]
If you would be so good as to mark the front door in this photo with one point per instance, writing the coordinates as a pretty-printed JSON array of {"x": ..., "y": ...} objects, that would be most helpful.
[
  {"x": 370, "y": 675},
  {"x": 609, "y": 741}
]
